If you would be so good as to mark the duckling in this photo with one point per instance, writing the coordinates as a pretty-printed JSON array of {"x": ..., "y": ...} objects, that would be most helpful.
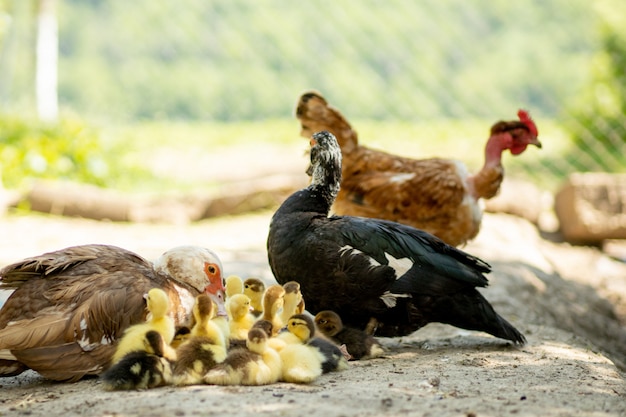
[
  {"x": 205, "y": 347},
  {"x": 222, "y": 323},
  {"x": 273, "y": 301},
  {"x": 257, "y": 342},
  {"x": 204, "y": 314},
  {"x": 302, "y": 363},
  {"x": 257, "y": 364},
  {"x": 241, "y": 320},
  {"x": 182, "y": 334},
  {"x": 254, "y": 288},
  {"x": 158, "y": 305},
  {"x": 85, "y": 297},
  {"x": 140, "y": 369},
  {"x": 358, "y": 343},
  {"x": 334, "y": 358},
  {"x": 293, "y": 301},
  {"x": 264, "y": 325},
  {"x": 233, "y": 285}
]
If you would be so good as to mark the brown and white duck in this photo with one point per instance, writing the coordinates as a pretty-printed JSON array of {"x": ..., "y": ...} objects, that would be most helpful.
[{"x": 70, "y": 307}]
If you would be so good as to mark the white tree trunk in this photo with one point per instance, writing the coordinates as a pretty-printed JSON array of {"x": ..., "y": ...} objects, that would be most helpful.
[{"x": 47, "y": 61}]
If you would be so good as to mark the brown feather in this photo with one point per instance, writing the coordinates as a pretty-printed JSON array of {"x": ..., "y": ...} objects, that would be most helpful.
[
  {"x": 66, "y": 362},
  {"x": 435, "y": 195},
  {"x": 71, "y": 306}
]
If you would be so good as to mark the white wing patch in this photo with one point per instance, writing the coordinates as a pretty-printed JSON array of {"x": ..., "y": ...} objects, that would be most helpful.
[
  {"x": 400, "y": 265},
  {"x": 373, "y": 262},
  {"x": 391, "y": 299},
  {"x": 88, "y": 346}
]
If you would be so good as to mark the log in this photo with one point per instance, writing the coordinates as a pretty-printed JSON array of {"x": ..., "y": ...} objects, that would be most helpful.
[
  {"x": 91, "y": 202},
  {"x": 591, "y": 207}
]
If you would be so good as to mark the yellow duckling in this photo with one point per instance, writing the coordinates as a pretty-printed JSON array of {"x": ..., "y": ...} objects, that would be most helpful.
[
  {"x": 233, "y": 285},
  {"x": 158, "y": 305},
  {"x": 293, "y": 301},
  {"x": 302, "y": 363},
  {"x": 241, "y": 320},
  {"x": 254, "y": 288},
  {"x": 222, "y": 323},
  {"x": 205, "y": 347},
  {"x": 257, "y": 364},
  {"x": 334, "y": 357},
  {"x": 273, "y": 301},
  {"x": 141, "y": 369}
]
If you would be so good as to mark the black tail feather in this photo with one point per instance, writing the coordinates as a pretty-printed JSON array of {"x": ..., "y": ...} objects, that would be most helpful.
[{"x": 469, "y": 311}]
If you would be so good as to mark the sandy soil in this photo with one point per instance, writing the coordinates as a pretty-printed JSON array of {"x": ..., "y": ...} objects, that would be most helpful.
[{"x": 570, "y": 302}]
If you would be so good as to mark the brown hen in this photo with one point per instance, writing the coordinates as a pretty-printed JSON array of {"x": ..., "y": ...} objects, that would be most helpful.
[{"x": 437, "y": 195}]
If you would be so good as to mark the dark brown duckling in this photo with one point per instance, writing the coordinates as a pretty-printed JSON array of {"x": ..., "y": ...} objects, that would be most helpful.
[{"x": 358, "y": 343}]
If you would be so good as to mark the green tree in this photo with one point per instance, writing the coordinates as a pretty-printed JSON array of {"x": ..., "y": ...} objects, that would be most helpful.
[{"x": 599, "y": 122}]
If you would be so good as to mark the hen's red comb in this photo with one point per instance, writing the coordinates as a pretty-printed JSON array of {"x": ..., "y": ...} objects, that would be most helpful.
[{"x": 525, "y": 118}]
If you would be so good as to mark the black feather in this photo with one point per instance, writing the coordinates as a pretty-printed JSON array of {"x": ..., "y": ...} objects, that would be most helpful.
[
  {"x": 331, "y": 352},
  {"x": 348, "y": 264},
  {"x": 137, "y": 370}
]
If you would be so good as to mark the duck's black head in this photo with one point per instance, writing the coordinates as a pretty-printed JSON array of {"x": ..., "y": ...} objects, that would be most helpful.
[{"x": 325, "y": 169}]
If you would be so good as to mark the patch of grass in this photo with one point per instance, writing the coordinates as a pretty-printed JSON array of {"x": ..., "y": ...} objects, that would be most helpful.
[{"x": 69, "y": 150}]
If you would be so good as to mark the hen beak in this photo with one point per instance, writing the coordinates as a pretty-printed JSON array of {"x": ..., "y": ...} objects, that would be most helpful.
[{"x": 535, "y": 141}]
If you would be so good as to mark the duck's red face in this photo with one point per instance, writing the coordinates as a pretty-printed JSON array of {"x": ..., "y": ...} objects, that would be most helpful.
[
  {"x": 215, "y": 289},
  {"x": 214, "y": 274}
]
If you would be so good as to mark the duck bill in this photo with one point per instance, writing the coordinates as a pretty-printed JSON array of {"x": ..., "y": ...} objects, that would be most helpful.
[{"x": 218, "y": 299}]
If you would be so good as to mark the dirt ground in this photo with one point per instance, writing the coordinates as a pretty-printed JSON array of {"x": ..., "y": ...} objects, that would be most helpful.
[{"x": 569, "y": 301}]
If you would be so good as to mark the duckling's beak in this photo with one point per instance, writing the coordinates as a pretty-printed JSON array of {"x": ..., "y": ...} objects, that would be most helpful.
[{"x": 145, "y": 296}]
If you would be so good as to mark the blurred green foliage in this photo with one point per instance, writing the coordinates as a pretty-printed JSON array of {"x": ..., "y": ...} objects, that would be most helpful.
[
  {"x": 70, "y": 149},
  {"x": 386, "y": 60},
  {"x": 598, "y": 125}
]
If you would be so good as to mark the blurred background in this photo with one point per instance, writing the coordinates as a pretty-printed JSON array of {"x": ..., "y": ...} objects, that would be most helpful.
[{"x": 138, "y": 95}]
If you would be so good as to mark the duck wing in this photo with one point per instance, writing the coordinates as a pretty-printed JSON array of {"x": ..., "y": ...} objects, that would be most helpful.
[
  {"x": 412, "y": 253},
  {"x": 52, "y": 263},
  {"x": 66, "y": 314},
  {"x": 331, "y": 275},
  {"x": 435, "y": 282}
]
